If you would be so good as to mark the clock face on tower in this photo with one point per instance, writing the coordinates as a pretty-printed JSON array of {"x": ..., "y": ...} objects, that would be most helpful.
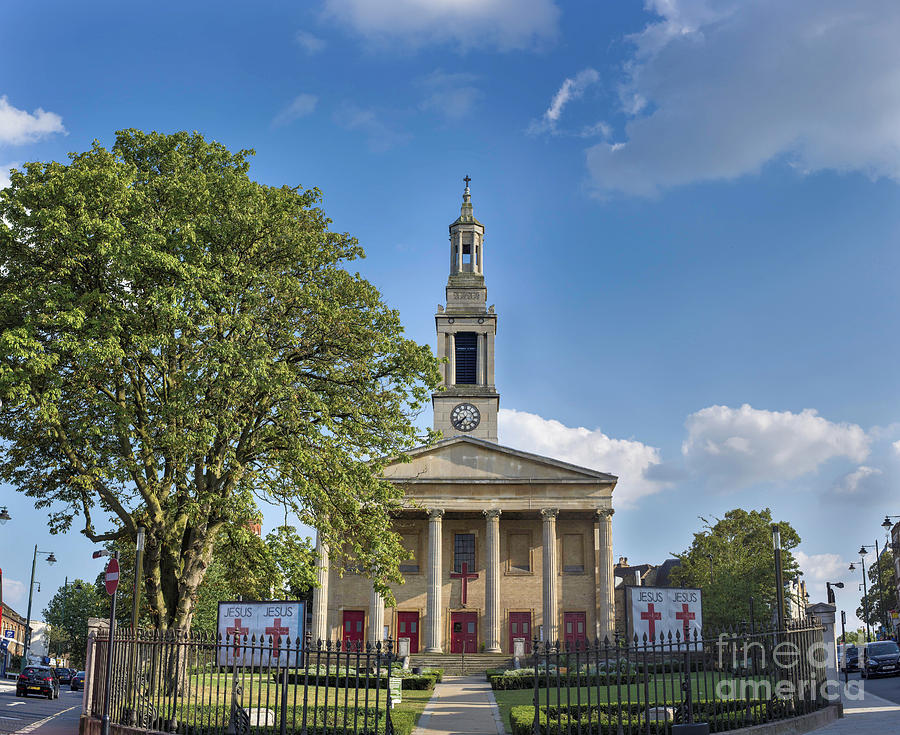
[{"x": 465, "y": 417}]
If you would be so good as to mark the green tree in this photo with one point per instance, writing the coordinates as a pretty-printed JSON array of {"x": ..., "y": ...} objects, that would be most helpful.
[
  {"x": 879, "y": 598},
  {"x": 732, "y": 560},
  {"x": 176, "y": 341},
  {"x": 851, "y": 638},
  {"x": 68, "y": 612}
]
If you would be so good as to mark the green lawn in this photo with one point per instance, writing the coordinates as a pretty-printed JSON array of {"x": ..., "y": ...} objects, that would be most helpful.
[{"x": 663, "y": 687}]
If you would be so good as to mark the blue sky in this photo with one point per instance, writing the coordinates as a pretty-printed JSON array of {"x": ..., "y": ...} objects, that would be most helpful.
[{"x": 691, "y": 212}]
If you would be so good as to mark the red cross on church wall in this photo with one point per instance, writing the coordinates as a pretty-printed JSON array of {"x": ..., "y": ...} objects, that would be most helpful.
[
  {"x": 465, "y": 576},
  {"x": 276, "y": 630},
  {"x": 651, "y": 616},
  {"x": 236, "y": 631}
]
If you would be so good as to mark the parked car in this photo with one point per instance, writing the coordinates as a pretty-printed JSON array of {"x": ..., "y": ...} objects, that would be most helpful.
[
  {"x": 77, "y": 681},
  {"x": 38, "y": 680},
  {"x": 880, "y": 658},
  {"x": 850, "y": 659},
  {"x": 64, "y": 675}
]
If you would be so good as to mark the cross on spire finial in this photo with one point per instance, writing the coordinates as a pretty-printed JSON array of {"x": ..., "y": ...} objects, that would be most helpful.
[{"x": 467, "y": 180}]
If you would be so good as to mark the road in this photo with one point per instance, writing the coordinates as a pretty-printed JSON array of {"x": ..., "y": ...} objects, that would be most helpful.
[
  {"x": 886, "y": 687},
  {"x": 37, "y": 715}
]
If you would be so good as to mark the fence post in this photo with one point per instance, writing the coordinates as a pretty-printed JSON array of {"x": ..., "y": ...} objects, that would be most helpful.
[
  {"x": 89, "y": 657},
  {"x": 536, "y": 722}
]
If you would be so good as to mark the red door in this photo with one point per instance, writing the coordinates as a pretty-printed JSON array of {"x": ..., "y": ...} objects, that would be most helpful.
[
  {"x": 408, "y": 627},
  {"x": 463, "y": 632},
  {"x": 519, "y": 627},
  {"x": 575, "y": 629},
  {"x": 352, "y": 632}
]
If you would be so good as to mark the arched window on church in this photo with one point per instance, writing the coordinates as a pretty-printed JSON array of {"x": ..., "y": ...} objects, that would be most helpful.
[{"x": 466, "y": 357}]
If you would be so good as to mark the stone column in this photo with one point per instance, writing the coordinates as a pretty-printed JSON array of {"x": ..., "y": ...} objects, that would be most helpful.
[
  {"x": 551, "y": 579},
  {"x": 376, "y": 617},
  {"x": 492, "y": 583},
  {"x": 605, "y": 583},
  {"x": 320, "y": 593},
  {"x": 435, "y": 574}
]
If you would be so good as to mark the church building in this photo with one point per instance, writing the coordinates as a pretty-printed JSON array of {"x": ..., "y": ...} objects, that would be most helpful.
[{"x": 503, "y": 544}]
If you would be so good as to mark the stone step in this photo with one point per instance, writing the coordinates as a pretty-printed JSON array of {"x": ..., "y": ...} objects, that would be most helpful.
[{"x": 457, "y": 664}]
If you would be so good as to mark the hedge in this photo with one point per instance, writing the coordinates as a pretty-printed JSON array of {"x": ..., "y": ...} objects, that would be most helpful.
[
  {"x": 605, "y": 721},
  {"x": 342, "y": 680},
  {"x": 512, "y": 680}
]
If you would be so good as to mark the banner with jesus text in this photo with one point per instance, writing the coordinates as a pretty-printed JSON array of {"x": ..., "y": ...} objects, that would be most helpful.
[
  {"x": 260, "y": 633},
  {"x": 663, "y": 610}
]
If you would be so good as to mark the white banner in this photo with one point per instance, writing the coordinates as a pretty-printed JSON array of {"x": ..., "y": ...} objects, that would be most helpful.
[
  {"x": 281, "y": 622},
  {"x": 663, "y": 610}
]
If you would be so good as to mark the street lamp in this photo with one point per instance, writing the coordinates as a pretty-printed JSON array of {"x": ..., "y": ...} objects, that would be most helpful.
[
  {"x": 4, "y": 516},
  {"x": 828, "y": 586},
  {"x": 852, "y": 568},
  {"x": 878, "y": 580},
  {"x": 779, "y": 575},
  {"x": 51, "y": 559}
]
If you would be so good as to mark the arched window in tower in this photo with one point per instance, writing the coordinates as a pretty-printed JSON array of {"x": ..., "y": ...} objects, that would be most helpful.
[
  {"x": 467, "y": 257},
  {"x": 466, "y": 357}
]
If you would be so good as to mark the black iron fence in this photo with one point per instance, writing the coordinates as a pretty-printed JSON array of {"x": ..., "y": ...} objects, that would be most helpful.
[
  {"x": 194, "y": 685},
  {"x": 735, "y": 679}
]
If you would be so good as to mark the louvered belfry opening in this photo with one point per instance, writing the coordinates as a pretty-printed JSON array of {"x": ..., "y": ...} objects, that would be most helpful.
[{"x": 466, "y": 357}]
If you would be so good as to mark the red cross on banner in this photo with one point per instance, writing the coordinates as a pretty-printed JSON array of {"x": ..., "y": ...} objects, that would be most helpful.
[
  {"x": 465, "y": 576},
  {"x": 651, "y": 616},
  {"x": 277, "y": 630},
  {"x": 237, "y": 631},
  {"x": 686, "y": 616}
]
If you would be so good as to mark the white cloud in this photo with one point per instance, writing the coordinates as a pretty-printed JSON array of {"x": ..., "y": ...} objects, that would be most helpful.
[
  {"x": 628, "y": 459},
  {"x": 309, "y": 43},
  {"x": 4, "y": 172},
  {"x": 821, "y": 568},
  {"x": 14, "y": 592},
  {"x": 572, "y": 89},
  {"x": 857, "y": 481},
  {"x": 736, "y": 447},
  {"x": 303, "y": 105},
  {"x": 18, "y": 126},
  {"x": 453, "y": 96},
  {"x": 715, "y": 89},
  {"x": 896, "y": 446},
  {"x": 506, "y": 24},
  {"x": 380, "y": 136}
]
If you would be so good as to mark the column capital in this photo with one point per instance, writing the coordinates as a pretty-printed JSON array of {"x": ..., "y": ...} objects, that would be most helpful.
[
  {"x": 549, "y": 513},
  {"x": 435, "y": 514},
  {"x": 605, "y": 512},
  {"x": 492, "y": 513}
]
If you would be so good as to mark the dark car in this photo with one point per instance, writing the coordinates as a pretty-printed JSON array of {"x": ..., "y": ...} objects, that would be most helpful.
[
  {"x": 850, "y": 660},
  {"x": 77, "y": 681},
  {"x": 881, "y": 658},
  {"x": 64, "y": 675},
  {"x": 38, "y": 680}
]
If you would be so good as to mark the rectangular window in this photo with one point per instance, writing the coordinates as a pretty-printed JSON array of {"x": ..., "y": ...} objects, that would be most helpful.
[
  {"x": 519, "y": 552},
  {"x": 464, "y": 551},
  {"x": 573, "y": 553},
  {"x": 466, "y": 357},
  {"x": 410, "y": 542}
]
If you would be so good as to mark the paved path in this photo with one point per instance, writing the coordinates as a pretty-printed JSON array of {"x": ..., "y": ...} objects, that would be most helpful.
[
  {"x": 872, "y": 715},
  {"x": 461, "y": 705},
  {"x": 38, "y": 715}
]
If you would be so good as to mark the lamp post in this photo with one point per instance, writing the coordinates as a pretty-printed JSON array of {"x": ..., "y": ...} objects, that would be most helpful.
[
  {"x": 4, "y": 516},
  {"x": 828, "y": 586},
  {"x": 852, "y": 568},
  {"x": 710, "y": 557},
  {"x": 779, "y": 575},
  {"x": 51, "y": 560}
]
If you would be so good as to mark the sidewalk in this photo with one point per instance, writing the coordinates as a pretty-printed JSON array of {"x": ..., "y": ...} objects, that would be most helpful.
[
  {"x": 461, "y": 705},
  {"x": 866, "y": 717}
]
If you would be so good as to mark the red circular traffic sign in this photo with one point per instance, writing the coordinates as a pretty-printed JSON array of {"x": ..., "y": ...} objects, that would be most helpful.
[{"x": 112, "y": 576}]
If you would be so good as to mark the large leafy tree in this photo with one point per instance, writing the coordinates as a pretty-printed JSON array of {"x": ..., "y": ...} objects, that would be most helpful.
[
  {"x": 732, "y": 560},
  {"x": 880, "y": 598},
  {"x": 178, "y": 341},
  {"x": 68, "y": 612}
]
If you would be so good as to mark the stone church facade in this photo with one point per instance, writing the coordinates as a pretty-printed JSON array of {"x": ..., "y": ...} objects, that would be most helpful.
[{"x": 504, "y": 544}]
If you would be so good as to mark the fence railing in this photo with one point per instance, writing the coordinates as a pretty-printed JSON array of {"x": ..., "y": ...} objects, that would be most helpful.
[
  {"x": 199, "y": 684},
  {"x": 735, "y": 679},
  {"x": 194, "y": 685}
]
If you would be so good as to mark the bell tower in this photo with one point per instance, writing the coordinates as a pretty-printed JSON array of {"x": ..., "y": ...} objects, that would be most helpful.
[{"x": 466, "y": 328}]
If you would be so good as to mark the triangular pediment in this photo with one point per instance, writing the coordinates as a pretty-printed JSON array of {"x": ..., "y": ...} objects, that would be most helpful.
[{"x": 465, "y": 459}]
